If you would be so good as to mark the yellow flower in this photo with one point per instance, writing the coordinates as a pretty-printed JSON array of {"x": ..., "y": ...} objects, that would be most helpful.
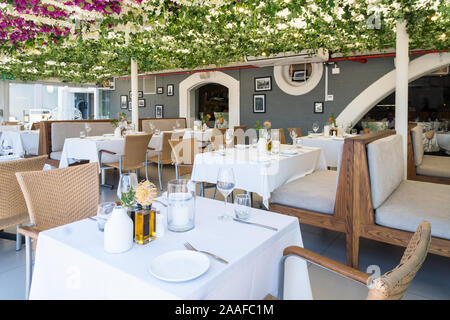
[{"x": 145, "y": 193}]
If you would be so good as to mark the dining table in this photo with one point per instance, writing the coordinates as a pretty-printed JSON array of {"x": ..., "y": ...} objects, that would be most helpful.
[
  {"x": 71, "y": 262},
  {"x": 329, "y": 144},
  {"x": 21, "y": 142},
  {"x": 259, "y": 172}
]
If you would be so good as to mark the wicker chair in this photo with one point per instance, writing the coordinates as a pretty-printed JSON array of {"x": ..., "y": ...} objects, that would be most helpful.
[
  {"x": 134, "y": 156},
  {"x": 390, "y": 286},
  {"x": 13, "y": 210},
  {"x": 164, "y": 156},
  {"x": 55, "y": 198},
  {"x": 183, "y": 155}
]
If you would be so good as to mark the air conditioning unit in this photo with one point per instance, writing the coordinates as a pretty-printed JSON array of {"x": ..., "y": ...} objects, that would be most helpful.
[
  {"x": 109, "y": 84},
  {"x": 304, "y": 56}
]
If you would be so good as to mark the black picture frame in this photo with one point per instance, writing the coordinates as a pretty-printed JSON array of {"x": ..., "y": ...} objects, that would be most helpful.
[
  {"x": 170, "y": 90},
  {"x": 141, "y": 103},
  {"x": 268, "y": 85},
  {"x": 259, "y": 103},
  {"x": 160, "y": 90},
  {"x": 318, "y": 107},
  {"x": 123, "y": 101},
  {"x": 159, "y": 111},
  {"x": 140, "y": 94}
]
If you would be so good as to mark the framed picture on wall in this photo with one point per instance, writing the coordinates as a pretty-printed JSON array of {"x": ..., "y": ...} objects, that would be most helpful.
[
  {"x": 170, "y": 90},
  {"x": 318, "y": 107},
  {"x": 141, "y": 103},
  {"x": 123, "y": 102},
  {"x": 140, "y": 95},
  {"x": 160, "y": 90},
  {"x": 263, "y": 84},
  {"x": 259, "y": 103},
  {"x": 159, "y": 111}
]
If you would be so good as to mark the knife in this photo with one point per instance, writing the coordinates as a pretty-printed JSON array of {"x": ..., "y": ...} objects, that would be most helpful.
[{"x": 255, "y": 224}]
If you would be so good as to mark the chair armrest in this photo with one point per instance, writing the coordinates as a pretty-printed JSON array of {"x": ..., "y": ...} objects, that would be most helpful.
[
  {"x": 106, "y": 151},
  {"x": 32, "y": 232},
  {"x": 150, "y": 148},
  {"x": 330, "y": 264}
]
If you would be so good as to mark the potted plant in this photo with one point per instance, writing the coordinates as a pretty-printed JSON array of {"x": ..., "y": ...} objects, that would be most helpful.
[{"x": 120, "y": 124}]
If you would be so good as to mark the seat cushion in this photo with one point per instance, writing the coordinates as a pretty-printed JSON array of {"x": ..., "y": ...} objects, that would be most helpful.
[
  {"x": 417, "y": 144},
  {"x": 415, "y": 201},
  {"x": 314, "y": 192},
  {"x": 386, "y": 168},
  {"x": 434, "y": 166}
]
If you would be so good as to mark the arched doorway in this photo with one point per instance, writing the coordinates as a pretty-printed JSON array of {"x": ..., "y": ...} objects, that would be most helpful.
[
  {"x": 212, "y": 99},
  {"x": 189, "y": 86}
]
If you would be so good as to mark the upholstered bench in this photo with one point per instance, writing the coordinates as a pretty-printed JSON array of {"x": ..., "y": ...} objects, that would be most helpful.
[
  {"x": 165, "y": 124},
  {"x": 426, "y": 165}
]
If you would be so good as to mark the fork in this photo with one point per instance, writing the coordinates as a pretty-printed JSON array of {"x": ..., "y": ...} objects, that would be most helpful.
[{"x": 188, "y": 246}]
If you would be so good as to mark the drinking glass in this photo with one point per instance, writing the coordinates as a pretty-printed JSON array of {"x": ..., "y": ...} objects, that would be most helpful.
[
  {"x": 225, "y": 185},
  {"x": 82, "y": 134},
  {"x": 103, "y": 211},
  {"x": 127, "y": 181},
  {"x": 354, "y": 131},
  {"x": 293, "y": 135},
  {"x": 299, "y": 143},
  {"x": 229, "y": 137},
  {"x": 242, "y": 205},
  {"x": 254, "y": 142},
  {"x": 88, "y": 128},
  {"x": 222, "y": 149},
  {"x": 315, "y": 127},
  {"x": 275, "y": 142}
]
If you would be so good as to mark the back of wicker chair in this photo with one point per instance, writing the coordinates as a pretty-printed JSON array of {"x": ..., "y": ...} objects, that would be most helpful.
[
  {"x": 393, "y": 284},
  {"x": 60, "y": 196},
  {"x": 13, "y": 209}
]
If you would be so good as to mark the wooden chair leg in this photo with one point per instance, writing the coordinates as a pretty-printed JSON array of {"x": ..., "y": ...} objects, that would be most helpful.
[{"x": 352, "y": 246}]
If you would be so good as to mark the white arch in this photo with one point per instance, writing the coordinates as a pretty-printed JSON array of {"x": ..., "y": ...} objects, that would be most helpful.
[
  {"x": 384, "y": 86},
  {"x": 198, "y": 79},
  {"x": 297, "y": 88}
]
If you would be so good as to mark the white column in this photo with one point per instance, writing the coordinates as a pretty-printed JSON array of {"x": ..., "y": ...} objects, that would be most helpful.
[
  {"x": 134, "y": 94},
  {"x": 38, "y": 96},
  {"x": 5, "y": 94},
  {"x": 401, "y": 90},
  {"x": 96, "y": 104}
]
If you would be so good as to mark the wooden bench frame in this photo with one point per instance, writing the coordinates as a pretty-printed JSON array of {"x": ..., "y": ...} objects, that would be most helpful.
[
  {"x": 411, "y": 167},
  {"x": 363, "y": 215}
]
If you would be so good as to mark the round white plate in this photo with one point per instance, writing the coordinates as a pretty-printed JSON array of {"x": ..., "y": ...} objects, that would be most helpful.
[
  {"x": 288, "y": 153},
  {"x": 180, "y": 265}
]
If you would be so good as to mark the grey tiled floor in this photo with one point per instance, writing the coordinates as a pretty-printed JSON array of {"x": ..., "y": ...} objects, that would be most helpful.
[{"x": 432, "y": 281}]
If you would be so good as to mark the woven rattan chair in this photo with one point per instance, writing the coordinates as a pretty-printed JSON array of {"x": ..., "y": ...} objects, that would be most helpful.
[
  {"x": 183, "y": 155},
  {"x": 134, "y": 156},
  {"x": 164, "y": 155},
  {"x": 390, "y": 286},
  {"x": 13, "y": 209},
  {"x": 55, "y": 198}
]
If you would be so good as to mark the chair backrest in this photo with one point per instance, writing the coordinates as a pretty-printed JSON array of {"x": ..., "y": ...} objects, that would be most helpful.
[
  {"x": 60, "y": 196},
  {"x": 12, "y": 202},
  {"x": 386, "y": 167},
  {"x": 243, "y": 128},
  {"x": 393, "y": 284},
  {"x": 135, "y": 148},
  {"x": 184, "y": 151},
  {"x": 166, "y": 149},
  {"x": 417, "y": 143},
  {"x": 216, "y": 141},
  {"x": 35, "y": 126}
]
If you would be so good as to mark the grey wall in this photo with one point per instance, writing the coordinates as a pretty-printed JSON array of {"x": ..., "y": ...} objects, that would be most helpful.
[{"x": 282, "y": 109}]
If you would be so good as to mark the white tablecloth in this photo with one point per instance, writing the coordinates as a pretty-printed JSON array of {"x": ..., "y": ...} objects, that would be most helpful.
[
  {"x": 88, "y": 148},
  {"x": 258, "y": 173},
  {"x": 71, "y": 263},
  {"x": 329, "y": 145},
  {"x": 21, "y": 142}
]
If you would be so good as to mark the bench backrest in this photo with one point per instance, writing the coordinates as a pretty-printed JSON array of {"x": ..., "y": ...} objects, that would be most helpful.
[
  {"x": 417, "y": 143},
  {"x": 166, "y": 124}
]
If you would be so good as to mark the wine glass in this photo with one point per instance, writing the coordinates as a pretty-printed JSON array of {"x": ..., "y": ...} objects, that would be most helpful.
[
  {"x": 103, "y": 211},
  {"x": 229, "y": 136},
  {"x": 315, "y": 127},
  {"x": 88, "y": 128},
  {"x": 225, "y": 185},
  {"x": 127, "y": 181},
  {"x": 293, "y": 135}
]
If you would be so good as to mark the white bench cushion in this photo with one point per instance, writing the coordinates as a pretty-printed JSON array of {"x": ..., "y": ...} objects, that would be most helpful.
[
  {"x": 417, "y": 144},
  {"x": 386, "y": 168},
  {"x": 56, "y": 155},
  {"x": 434, "y": 166},
  {"x": 314, "y": 192},
  {"x": 415, "y": 201}
]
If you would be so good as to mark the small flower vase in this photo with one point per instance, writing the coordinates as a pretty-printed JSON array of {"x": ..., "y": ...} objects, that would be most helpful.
[
  {"x": 205, "y": 127},
  {"x": 118, "y": 234},
  {"x": 118, "y": 132}
]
